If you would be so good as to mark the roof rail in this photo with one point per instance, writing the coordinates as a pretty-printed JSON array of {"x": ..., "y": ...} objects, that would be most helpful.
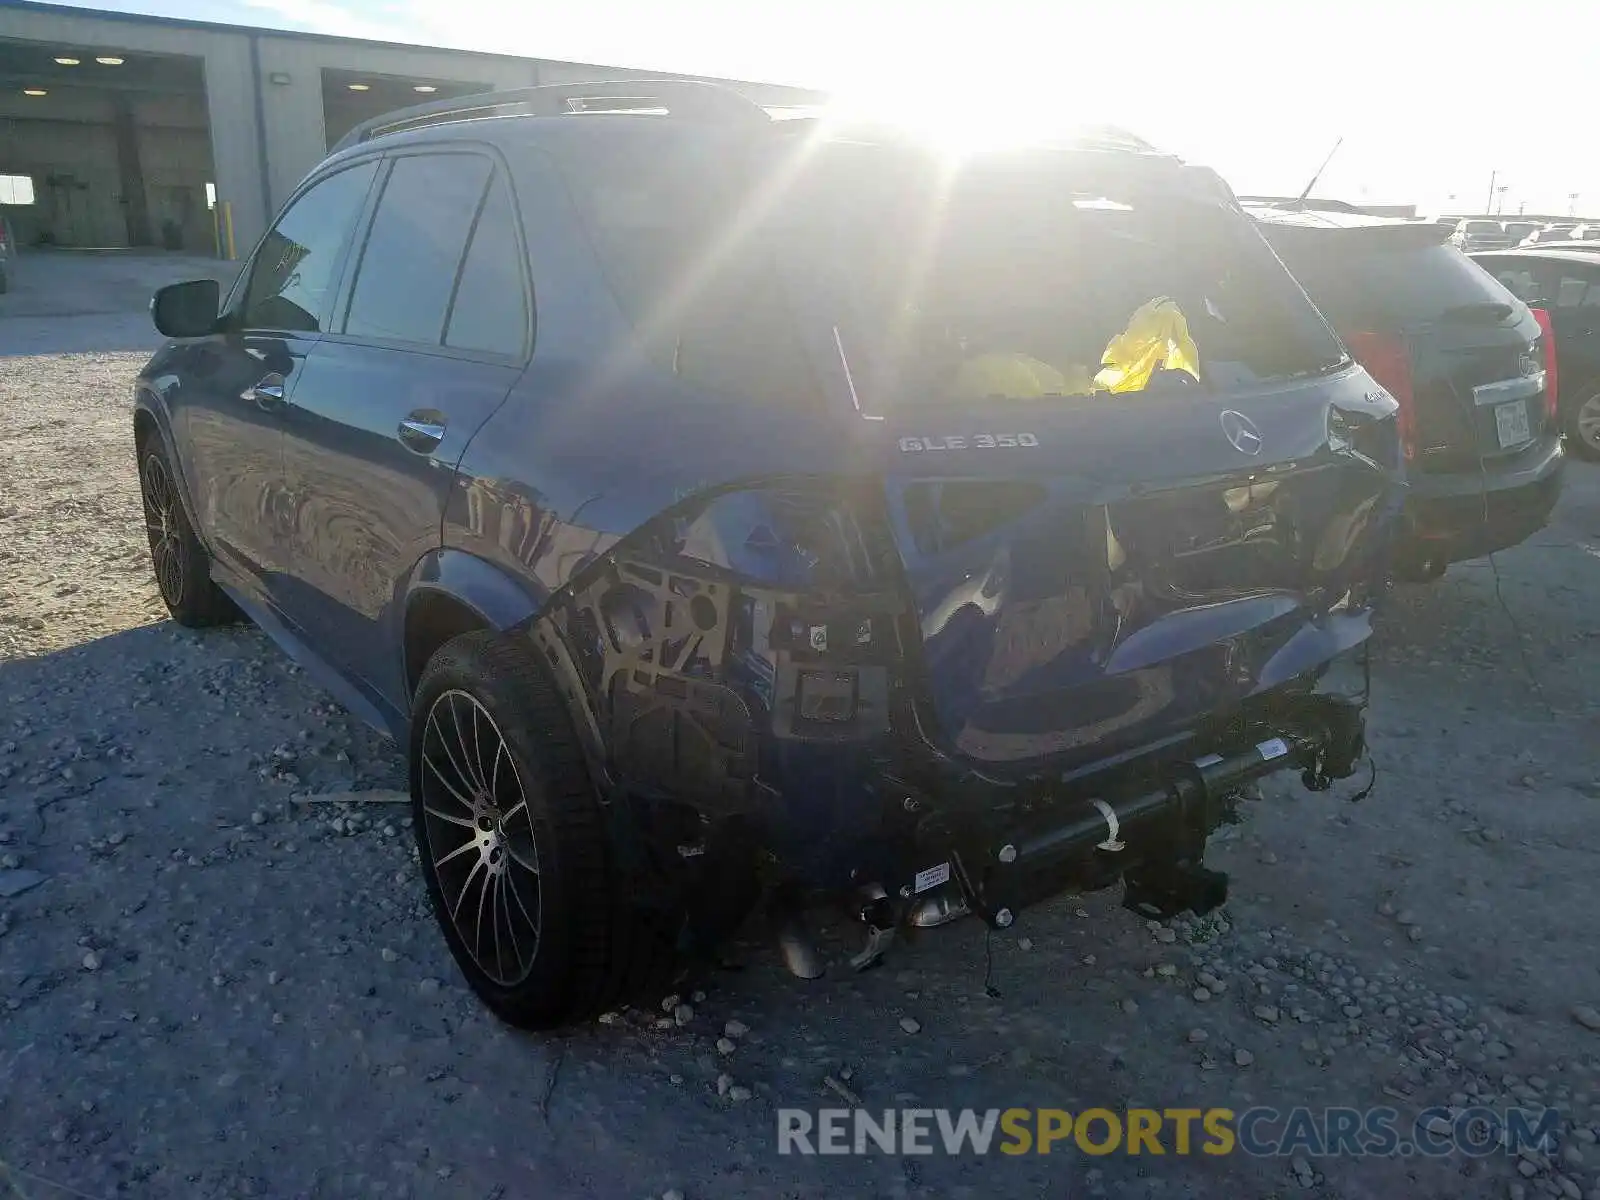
[{"x": 686, "y": 98}]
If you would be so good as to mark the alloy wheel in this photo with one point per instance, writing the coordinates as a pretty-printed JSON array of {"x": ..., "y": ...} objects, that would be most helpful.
[
  {"x": 1588, "y": 422},
  {"x": 480, "y": 838},
  {"x": 169, "y": 553}
]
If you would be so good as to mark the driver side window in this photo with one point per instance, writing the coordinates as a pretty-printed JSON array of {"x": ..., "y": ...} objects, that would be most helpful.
[{"x": 295, "y": 270}]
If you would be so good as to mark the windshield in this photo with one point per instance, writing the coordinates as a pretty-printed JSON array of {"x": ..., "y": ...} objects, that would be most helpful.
[
  {"x": 1362, "y": 284},
  {"x": 1520, "y": 230},
  {"x": 1482, "y": 227}
]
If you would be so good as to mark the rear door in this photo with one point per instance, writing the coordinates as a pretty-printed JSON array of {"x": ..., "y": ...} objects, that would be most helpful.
[
  {"x": 434, "y": 330},
  {"x": 237, "y": 384},
  {"x": 1477, "y": 378}
]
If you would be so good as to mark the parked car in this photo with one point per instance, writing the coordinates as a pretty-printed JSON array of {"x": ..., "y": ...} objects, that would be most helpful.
[
  {"x": 1566, "y": 283},
  {"x": 1481, "y": 235},
  {"x": 1550, "y": 233},
  {"x": 1585, "y": 233},
  {"x": 1471, "y": 366},
  {"x": 841, "y": 527},
  {"x": 1516, "y": 231}
]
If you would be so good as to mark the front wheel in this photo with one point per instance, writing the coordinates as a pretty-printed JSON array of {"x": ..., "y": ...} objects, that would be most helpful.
[
  {"x": 181, "y": 565},
  {"x": 513, "y": 843},
  {"x": 1583, "y": 427}
]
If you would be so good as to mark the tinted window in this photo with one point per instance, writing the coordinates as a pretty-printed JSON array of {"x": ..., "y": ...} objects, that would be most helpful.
[
  {"x": 292, "y": 277},
  {"x": 490, "y": 310},
  {"x": 919, "y": 273},
  {"x": 413, "y": 250},
  {"x": 1361, "y": 278}
]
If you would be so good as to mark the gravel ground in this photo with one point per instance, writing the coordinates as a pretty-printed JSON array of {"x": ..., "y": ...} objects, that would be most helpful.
[{"x": 222, "y": 983}]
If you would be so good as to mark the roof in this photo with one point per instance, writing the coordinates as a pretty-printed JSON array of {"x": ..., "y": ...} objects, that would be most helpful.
[{"x": 255, "y": 31}]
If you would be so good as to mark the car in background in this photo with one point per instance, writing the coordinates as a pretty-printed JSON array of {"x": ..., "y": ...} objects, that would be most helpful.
[
  {"x": 1473, "y": 369},
  {"x": 1517, "y": 230},
  {"x": 1550, "y": 233},
  {"x": 757, "y": 566},
  {"x": 1588, "y": 232},
  {"x": 1479, "y": 234},
  {"x": 1566, "y": 284}
]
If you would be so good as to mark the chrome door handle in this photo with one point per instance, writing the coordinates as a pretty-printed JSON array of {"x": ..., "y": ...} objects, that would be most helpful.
[
  {"x": 268, "y": 393},
  {"x": 421, "y": 434}
]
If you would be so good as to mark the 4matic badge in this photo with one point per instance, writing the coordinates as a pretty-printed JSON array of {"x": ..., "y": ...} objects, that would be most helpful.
[{"x": 968, "y": 441}]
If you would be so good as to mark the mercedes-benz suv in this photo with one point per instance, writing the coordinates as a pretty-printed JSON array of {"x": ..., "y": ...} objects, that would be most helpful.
[{"x": 720, "y": 507}]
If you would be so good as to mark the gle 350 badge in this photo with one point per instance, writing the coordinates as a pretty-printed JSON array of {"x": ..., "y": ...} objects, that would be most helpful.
[{"x": 968, "y": 441}]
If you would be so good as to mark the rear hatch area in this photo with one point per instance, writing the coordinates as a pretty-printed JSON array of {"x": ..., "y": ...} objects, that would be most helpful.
[{"x": 1132, "y": 477}]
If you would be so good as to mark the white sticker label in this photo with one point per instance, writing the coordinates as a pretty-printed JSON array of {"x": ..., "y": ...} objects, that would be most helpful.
[
  {"x": 1272, "y": 748},
  {"x": 819, "y": 637},
  {"x": 1209, "y": 760},
  {"x": 931, "y": 878}
]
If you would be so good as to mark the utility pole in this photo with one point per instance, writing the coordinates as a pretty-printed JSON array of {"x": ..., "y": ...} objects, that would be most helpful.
[
  {"x": 1489, "y": 203},
  {"x": 1500, "y": 202},
  {"x": 1572, "y": 204}
]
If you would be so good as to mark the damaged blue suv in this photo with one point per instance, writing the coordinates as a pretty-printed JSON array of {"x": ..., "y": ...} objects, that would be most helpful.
[{"x": 734, "y": 513}]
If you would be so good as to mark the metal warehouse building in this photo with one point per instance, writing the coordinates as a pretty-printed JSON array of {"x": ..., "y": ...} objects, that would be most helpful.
[{"x": 119, "y": 130}]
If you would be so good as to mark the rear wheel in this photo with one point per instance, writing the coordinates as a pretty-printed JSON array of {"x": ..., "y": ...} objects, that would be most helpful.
[
  {"x": 1583, "y": 425},
  {"x": 513, "y": 843},
  {"x": 181, "y": 565}
]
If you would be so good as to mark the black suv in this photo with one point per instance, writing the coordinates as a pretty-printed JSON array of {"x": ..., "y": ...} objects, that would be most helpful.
[{"x": 1472, "y": 366}]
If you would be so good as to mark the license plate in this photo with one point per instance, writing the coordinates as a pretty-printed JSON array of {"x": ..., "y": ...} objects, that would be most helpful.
[{"x": 1511, "y": 423}]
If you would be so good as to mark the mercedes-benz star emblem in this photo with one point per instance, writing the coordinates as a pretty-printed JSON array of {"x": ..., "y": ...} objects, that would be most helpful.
[{"x": 1241, "y": 432}]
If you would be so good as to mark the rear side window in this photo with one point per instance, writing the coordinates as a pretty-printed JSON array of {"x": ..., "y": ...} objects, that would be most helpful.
[
  {"x": 1361, "y": 279},
  {"x": 293, "y": 275},
  {"x": 1555, "y": 284},
  {"x": 490, "y": 312},
  {"x": 694, "y": 271},
  {"x": 413, "y": 250}
]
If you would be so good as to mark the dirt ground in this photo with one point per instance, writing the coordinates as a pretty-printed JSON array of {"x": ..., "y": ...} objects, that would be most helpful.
[{"x": 219, "y": 990}]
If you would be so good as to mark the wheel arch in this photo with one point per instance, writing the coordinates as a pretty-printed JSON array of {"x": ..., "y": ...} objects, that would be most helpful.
[
  {"x": 452, "y": 592},
  {"x": 151, "y": 420}
]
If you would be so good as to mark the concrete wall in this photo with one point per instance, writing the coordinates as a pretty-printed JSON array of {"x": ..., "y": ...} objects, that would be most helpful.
[
  {"x": 296, "y": 136},
  {"x": 264, "y": 135},
  {"x": 230, "y": 94}
]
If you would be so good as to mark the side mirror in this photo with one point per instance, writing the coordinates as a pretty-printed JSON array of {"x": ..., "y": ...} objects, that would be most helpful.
[{"x": 187, "y": 310}]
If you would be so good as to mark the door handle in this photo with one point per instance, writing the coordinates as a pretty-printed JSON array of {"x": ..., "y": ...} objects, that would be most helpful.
[
  {"x": 421, "y": 433},
  {"x": 267, "y": 393}
]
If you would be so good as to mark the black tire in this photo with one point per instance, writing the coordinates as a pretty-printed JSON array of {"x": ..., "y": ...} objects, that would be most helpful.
[
  {"x": 1584, "y": 446},
  {"x": 180, "y": 563},
  {"x": 591, "y": 948}
]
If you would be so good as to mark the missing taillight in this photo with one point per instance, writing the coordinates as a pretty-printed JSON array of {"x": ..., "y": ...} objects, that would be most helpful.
[
  {"x": 1547, "y": 336},
  {"x": 1387, "y": 359}
]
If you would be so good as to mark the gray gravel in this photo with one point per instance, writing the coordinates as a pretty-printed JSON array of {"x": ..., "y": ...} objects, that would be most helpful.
[{"x": 226, "y": 983}]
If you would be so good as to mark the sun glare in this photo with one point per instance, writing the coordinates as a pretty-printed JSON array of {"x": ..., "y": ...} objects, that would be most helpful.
[{"x": 975, "y": 117}]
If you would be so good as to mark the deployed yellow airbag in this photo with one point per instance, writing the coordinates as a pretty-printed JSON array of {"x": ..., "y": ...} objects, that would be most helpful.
[{"x": 1157, "y": 336}]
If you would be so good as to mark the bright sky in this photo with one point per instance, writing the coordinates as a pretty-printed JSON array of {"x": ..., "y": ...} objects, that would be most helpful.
[{"x": 1429, "y": 97}]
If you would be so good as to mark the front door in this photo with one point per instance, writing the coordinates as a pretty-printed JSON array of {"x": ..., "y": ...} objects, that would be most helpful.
[
  {"x": 242, "y": 379},
  {"x": 433, "y": 333}
]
